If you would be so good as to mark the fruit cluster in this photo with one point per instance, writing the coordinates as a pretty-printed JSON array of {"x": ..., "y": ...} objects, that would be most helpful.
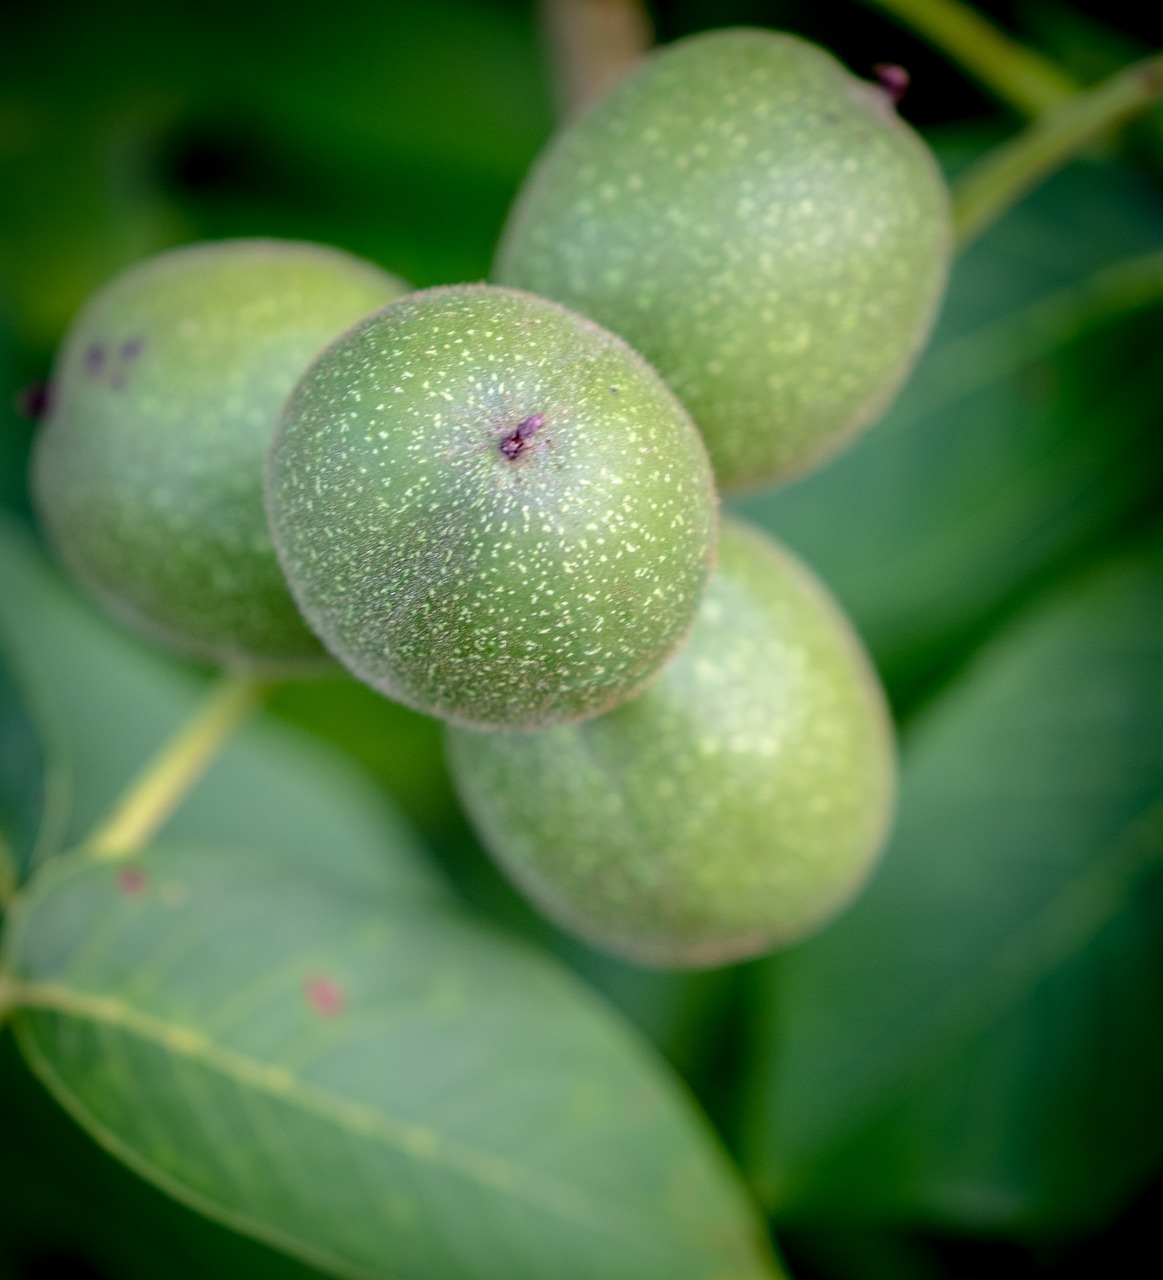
[{"x": 503, "y": 512}]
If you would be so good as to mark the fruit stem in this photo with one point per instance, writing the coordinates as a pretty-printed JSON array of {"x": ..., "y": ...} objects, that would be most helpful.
[
  {"x": 1019, "y": 76},
  {"x": 592, "y": 44},
  {"x": 165, "y": 782},
  {"x": 1002, "y": 176}
]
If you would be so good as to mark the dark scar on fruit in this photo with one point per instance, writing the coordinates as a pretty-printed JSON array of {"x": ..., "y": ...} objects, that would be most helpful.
[
  {"x": 35, "y": 401},
  {"x": 132, "y": 348},
  {"x": 94, "y": 358},
  {"x": 519, "y": 439}
]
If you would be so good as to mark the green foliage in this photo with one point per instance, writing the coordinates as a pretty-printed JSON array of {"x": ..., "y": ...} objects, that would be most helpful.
[
  {"x": 761, "y": 226},
  {"x": 67, "y": 1202},
  {"x": 238, "y": 1030},
  {"x": 396, "y": 131},
  {"x": 149, "y": 464},
  {"x": 491, "y": 509},
  {"x": 974, "y": 1041},
  {"x": 732, "y": 806}
]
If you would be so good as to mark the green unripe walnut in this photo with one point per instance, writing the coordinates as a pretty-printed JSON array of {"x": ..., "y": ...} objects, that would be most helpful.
[
  {"x": 149, "y": 469},
  {"x": 734, "y": 805},
  {"x": 491, "y": 509},
  {"x": 761, "y": 226}
]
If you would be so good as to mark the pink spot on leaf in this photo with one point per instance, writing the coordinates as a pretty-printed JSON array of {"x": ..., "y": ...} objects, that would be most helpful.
[
  {"x": 325, "y": 996},
  {"x": 132, "y": 881}
]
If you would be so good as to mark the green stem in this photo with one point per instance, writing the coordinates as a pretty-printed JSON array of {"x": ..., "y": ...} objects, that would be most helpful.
[
  {"x": 1026, "y": 80},
  {"x": 167, "y": 779},
  {"x": 1002, "y": 176}
]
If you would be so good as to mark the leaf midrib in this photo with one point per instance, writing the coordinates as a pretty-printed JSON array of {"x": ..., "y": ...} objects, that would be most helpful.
[{"x": 414, "y": 1140}]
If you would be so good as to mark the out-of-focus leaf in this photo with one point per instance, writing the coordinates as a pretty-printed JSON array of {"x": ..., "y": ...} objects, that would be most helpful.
[
  {"x": 69, "y": 1210},
  {"x": 1093, "y": 50},
  {"x": 1020, "y": 440},
  {"x": 977, "y": 1041},
  {"x": 399, "y": 131},
  {"x": 379, "y": 1087},
  {"x": 23, "y": 781},
  {"x": 108, "y": 703}
]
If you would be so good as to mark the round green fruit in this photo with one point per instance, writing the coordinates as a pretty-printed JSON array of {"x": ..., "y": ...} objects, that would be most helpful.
[
  {"x": 149, "y": 468},
  {"x": 761, "y": 226},
  {"x": 734, "y": 805},
  {"x": 491, "y": 509}
]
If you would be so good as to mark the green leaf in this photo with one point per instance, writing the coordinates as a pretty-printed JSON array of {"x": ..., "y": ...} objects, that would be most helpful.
[
  {"x": 683, "y": 1014},
  {"x": 67, "y": 1202},
  {"x": 380, "y": 1088},
  {"x": 1028, "y": 431},
  {"x": 108, "y": 703},
  {"x": 23, "y": 783},
  {"x": 976, "y": 1043}
]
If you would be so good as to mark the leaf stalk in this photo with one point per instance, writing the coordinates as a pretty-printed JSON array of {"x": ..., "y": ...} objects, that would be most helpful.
[
  {"x": 1006, "y": 173},
  {"x": 169, "y": 777}
]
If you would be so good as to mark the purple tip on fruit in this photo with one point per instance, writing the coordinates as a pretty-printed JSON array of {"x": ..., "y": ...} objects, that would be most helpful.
[
  {"x": 892, "y": 79},
  {"x": 517, "y": 441}
]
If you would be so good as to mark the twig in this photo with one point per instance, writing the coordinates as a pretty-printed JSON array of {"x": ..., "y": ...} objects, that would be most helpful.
[
  {"x": 1002, "y": 176},
  {"x": 1021, "y": 77},
  {"x": 593, "y": 44},
  {"x": 168, "y": 778}
]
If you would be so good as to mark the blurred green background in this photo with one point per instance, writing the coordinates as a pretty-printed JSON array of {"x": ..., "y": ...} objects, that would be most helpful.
[{"x": 1007, "y": 505}]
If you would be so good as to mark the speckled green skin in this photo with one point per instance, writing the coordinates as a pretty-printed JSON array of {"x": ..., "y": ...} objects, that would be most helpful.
[
  {"x": 761, "y": 226},
  {"x": 736, "y": 804},
  {"x": 488, "y": 590},
  {"x": 149, "y": 469}
]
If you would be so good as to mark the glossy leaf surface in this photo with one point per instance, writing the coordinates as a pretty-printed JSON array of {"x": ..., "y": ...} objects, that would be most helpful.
[
  {"x": 974, "y": 1042},
  {"x": 379, "y": 1089},
  {"x": 69, "y": 1209}
]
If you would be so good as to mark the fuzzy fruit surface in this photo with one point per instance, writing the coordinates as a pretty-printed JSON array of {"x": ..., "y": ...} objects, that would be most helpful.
[
  {"x": 761, "y": 226},
  {"x": 491, "y": 509},
  {"x": 149, "y": 469},
  {"x": 735, "y": 805}
]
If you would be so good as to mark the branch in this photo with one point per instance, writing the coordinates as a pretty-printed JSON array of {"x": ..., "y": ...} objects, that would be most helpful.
[
  {"x": 1021, "y": 77},
  {"x": 592, "y": 45},
  {"x": 168, "y": 778},
  {"x": 1002, "y": 176}
]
